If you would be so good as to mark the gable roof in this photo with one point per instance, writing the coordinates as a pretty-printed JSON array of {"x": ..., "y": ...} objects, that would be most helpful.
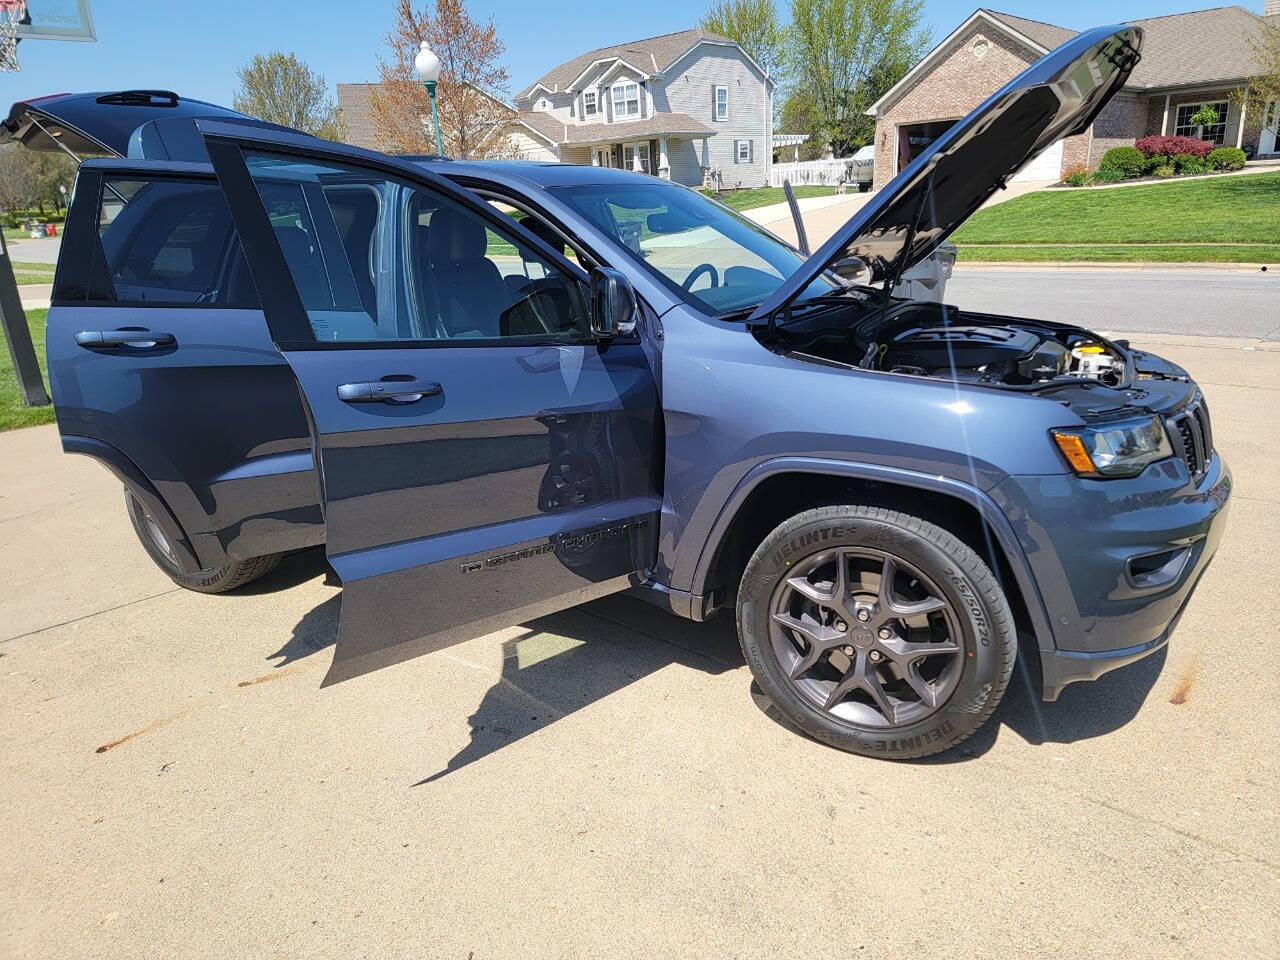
[
  {"x": 1181, "y": 49},
  {"x": 652, "y": 55}
]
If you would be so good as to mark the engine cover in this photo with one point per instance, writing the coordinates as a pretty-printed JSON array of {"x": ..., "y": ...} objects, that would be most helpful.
[{"x": 934, "y": 348}]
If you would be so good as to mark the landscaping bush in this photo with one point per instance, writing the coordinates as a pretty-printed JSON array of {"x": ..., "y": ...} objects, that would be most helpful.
[
  {"x": 1187, "y": 164},
  {"x": 1107, "y": 175},
  {"x": 1172, "y": 146},
  {"x": 1226, "y": 158},
  {"x": 1128, "y": 161},
  {"x": 1077, "y": 176},
  {"x": 1164, "y": 171}
]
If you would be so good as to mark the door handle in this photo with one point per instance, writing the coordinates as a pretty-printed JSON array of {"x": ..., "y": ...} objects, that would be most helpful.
[
  {"x": 138, "y": 339},
  {"x": 382, "y": 391}
]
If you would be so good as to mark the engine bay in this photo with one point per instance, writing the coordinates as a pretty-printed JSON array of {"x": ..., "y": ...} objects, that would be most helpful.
[{"x": 927, "y": 339}]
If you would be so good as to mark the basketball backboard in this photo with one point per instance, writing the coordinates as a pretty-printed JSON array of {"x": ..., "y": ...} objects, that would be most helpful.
[{"x": 57, "y": 20}]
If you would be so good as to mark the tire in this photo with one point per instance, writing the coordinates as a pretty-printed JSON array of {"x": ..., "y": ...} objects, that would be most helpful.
[
  {"x": 899, "y": 672},
  {"x": 218, "y": 579}
]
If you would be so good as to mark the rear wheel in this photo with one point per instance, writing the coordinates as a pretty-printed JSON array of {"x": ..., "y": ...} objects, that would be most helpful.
[
  {"x": 218, "y": 579},
  {"x": 875, "y": 631}
]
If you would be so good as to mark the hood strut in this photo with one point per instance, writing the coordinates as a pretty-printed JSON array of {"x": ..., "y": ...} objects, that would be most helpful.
[
  {"x": 72, "y": 154},
  {"x": 893, "y": 276}
]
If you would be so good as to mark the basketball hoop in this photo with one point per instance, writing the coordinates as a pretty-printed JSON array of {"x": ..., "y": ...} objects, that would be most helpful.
[{"x": 11, "y": 14}]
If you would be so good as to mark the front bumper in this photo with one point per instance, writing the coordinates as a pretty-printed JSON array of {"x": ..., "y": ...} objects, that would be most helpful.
[{"x": 1116, "y": 560}]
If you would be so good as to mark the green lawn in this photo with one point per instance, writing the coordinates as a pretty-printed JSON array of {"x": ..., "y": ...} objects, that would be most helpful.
[
  {"x": 33, "y": 272},
  {"x": 1122, "y": 253},
  {"x": 763, "y": 196},
  {"x": 1227, "y": 213},
  {"x": 12, "y": 413}
]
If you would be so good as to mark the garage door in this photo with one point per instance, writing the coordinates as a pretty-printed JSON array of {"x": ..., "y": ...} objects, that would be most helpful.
[{"x": 1047, "y": 166}]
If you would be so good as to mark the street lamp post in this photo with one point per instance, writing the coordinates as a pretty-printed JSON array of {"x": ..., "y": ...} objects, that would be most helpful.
[{"x": 428, "y": 66}]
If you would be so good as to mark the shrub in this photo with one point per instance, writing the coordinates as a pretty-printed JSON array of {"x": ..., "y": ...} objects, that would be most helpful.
[
  {"x": 1172, "y": 146},
  {"x": 1077, "y": 176},
  {"x": 1164, "y": 171},
  {"x": 1107, "y": 175},
  {"x": 1186, "y": 164},
  {"x": 1154, "y": 163},
  {"x": 1226, "y": 158},
  {"x": 1128, "y": 161}
]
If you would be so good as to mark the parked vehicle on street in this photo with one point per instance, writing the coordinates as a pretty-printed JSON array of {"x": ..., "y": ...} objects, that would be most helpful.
[{"x": 494, "y": 390}]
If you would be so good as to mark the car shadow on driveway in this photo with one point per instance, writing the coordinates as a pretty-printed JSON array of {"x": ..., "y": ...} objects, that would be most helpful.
[
  {"x": 572, "y": 659},
  {"x": 579, "y": 656}
]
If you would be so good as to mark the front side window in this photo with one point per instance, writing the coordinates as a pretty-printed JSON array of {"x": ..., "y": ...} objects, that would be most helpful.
[
  {"x": 717, "y": 260},
  {"x": 626, "y": 99},
  {"x": 629, "y": 157},
  {"x": 722, "y": 103},
  {"x": 589, "y": 103},
  {"x": 376, "y": 257},
  {"x": 171, "y": 241},
  {"x": 1213, "y": 132}
]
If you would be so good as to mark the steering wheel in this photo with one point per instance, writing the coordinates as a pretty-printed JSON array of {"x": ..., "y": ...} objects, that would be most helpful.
[{"x": 698, "y": 271}]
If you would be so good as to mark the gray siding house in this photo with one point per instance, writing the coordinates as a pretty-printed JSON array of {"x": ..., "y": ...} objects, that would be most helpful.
[{"x": 691, "y": 107}]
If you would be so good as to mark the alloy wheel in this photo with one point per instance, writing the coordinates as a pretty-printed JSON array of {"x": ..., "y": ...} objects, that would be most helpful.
[{"x": 866, "y": 637}]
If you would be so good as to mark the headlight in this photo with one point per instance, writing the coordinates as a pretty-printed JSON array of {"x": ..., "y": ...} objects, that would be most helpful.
[{"x": 1116, "y": 450}]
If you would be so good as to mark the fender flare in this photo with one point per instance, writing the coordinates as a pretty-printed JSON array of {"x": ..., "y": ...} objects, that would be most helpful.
[
  {"x": 987, "y": 508},
  {"x": 137, "y": 483}
]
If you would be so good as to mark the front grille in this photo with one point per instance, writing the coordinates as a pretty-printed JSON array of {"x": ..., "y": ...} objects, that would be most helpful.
[{"x": 1192, "y": 437}]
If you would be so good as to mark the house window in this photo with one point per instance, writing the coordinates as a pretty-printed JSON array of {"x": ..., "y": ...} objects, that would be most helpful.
[
  {"x": 742, "y": 151},
  {"x": 721, "y": 103},
  {"x": 626, "y": 99},
  {"x": 1215, "y": 132},
  {"x": 629, "y": 157},
  {"x": 588, "y": 103}
]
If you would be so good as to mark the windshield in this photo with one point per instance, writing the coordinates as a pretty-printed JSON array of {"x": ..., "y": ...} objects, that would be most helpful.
[{"x": 718, "y": 260}]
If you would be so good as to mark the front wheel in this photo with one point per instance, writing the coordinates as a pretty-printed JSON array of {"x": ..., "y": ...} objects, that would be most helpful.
[
  {"x": 217, "y": 579},
  {"x": 875, "y": 631}
]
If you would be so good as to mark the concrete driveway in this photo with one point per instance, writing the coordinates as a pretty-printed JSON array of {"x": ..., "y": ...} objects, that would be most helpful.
[{"x": 604, "y": 782}]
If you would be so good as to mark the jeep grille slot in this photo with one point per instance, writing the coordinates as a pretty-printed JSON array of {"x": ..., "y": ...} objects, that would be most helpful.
[{"x": 1190, "y": 428}]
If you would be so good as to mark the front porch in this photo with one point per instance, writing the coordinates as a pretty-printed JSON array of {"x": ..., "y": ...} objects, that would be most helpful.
[
  {"x": 682, "y": 159},
  {"x": 1170, "y": 113}
]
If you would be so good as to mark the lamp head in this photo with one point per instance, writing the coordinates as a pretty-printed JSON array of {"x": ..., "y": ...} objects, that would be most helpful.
[{"x": 427, "y": 64}]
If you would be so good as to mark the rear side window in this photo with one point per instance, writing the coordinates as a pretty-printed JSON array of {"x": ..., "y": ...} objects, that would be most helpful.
[{"x": 169, "y": 240}]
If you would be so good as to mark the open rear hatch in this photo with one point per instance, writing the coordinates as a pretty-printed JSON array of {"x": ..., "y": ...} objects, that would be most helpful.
[{"x": 138, "y": 124}]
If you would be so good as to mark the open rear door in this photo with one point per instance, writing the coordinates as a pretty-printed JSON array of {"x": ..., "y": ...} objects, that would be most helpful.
[{"x": 481, "y": 459}]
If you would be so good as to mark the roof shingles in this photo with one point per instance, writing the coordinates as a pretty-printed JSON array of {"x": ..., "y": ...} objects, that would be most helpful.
[{"x": 652, "y": 55}]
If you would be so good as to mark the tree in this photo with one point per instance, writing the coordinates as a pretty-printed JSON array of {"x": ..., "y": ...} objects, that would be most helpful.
[
  {"x": 17, "y": 185},
  {"x": 753, "y": 24},
  {"x": 51, "y": 173},
  {"x": 280, "y": 88},
  {"x": 846, "y": 53},
  {"x": 1264, "y": 89},
  {"x": 799, "y": 115},
  {"x": 470, "y": 93}
]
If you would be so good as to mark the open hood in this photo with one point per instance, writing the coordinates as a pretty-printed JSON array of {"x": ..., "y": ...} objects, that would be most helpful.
[
  {"x": 138, "y": 124},
  {"x": 1057, "y": 96}
]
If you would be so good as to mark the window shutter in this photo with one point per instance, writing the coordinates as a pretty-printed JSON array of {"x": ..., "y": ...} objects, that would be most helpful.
[
  {"x": 736, "y": 148},
  {"x": 751, "y": 151},
  {"x": 713, "y": 103}
]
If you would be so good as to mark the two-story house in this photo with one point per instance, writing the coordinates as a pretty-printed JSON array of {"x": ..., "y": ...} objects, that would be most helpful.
[{"x": 691, "y": 107}]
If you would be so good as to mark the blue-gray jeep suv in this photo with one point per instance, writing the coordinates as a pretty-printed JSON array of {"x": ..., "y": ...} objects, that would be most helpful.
[{"x": 497, "y": 389}]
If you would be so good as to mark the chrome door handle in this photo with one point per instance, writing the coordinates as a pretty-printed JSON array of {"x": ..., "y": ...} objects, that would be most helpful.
[
  {"x": 138, "y": 339},
  {"x": 381, "y": 391}
]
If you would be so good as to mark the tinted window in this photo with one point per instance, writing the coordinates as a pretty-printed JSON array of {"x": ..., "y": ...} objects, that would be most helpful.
[
  {"x": 171, "y": 241},
  {"x": 375, "y": 257}
]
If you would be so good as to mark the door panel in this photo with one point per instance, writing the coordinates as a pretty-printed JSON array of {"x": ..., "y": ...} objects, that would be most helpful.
[
  {"x": 519, "y": 476},
  {"x": 211, "y": 417}
]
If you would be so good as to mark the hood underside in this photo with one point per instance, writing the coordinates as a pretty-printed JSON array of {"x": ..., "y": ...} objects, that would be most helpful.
[{"x": 1057, "y": 96}]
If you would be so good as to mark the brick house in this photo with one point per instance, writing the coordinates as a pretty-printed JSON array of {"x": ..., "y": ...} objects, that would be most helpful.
[{"x": 1188, "y": 60}]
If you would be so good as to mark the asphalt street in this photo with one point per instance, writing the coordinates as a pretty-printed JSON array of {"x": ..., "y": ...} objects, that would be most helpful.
[
  {"x": 605, "y": 782},
  {"x": 1219, "y": 303}
]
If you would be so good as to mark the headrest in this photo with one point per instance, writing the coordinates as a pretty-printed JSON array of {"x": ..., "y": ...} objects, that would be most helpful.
[{"x": 455, "y": 237}]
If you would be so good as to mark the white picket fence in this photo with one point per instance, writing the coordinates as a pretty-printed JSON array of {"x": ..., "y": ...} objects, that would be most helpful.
[{"x": 809, "y": 173}]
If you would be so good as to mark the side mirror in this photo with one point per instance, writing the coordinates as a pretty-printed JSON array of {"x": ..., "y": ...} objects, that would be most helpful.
[{"x": 613, "y": 303}]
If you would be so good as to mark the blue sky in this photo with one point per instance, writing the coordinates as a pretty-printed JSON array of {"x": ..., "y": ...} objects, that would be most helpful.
[{"x": 195, "y": 48}]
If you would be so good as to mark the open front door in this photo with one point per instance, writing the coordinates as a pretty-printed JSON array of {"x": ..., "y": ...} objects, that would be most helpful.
[{"x": 481, "y": 459}]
